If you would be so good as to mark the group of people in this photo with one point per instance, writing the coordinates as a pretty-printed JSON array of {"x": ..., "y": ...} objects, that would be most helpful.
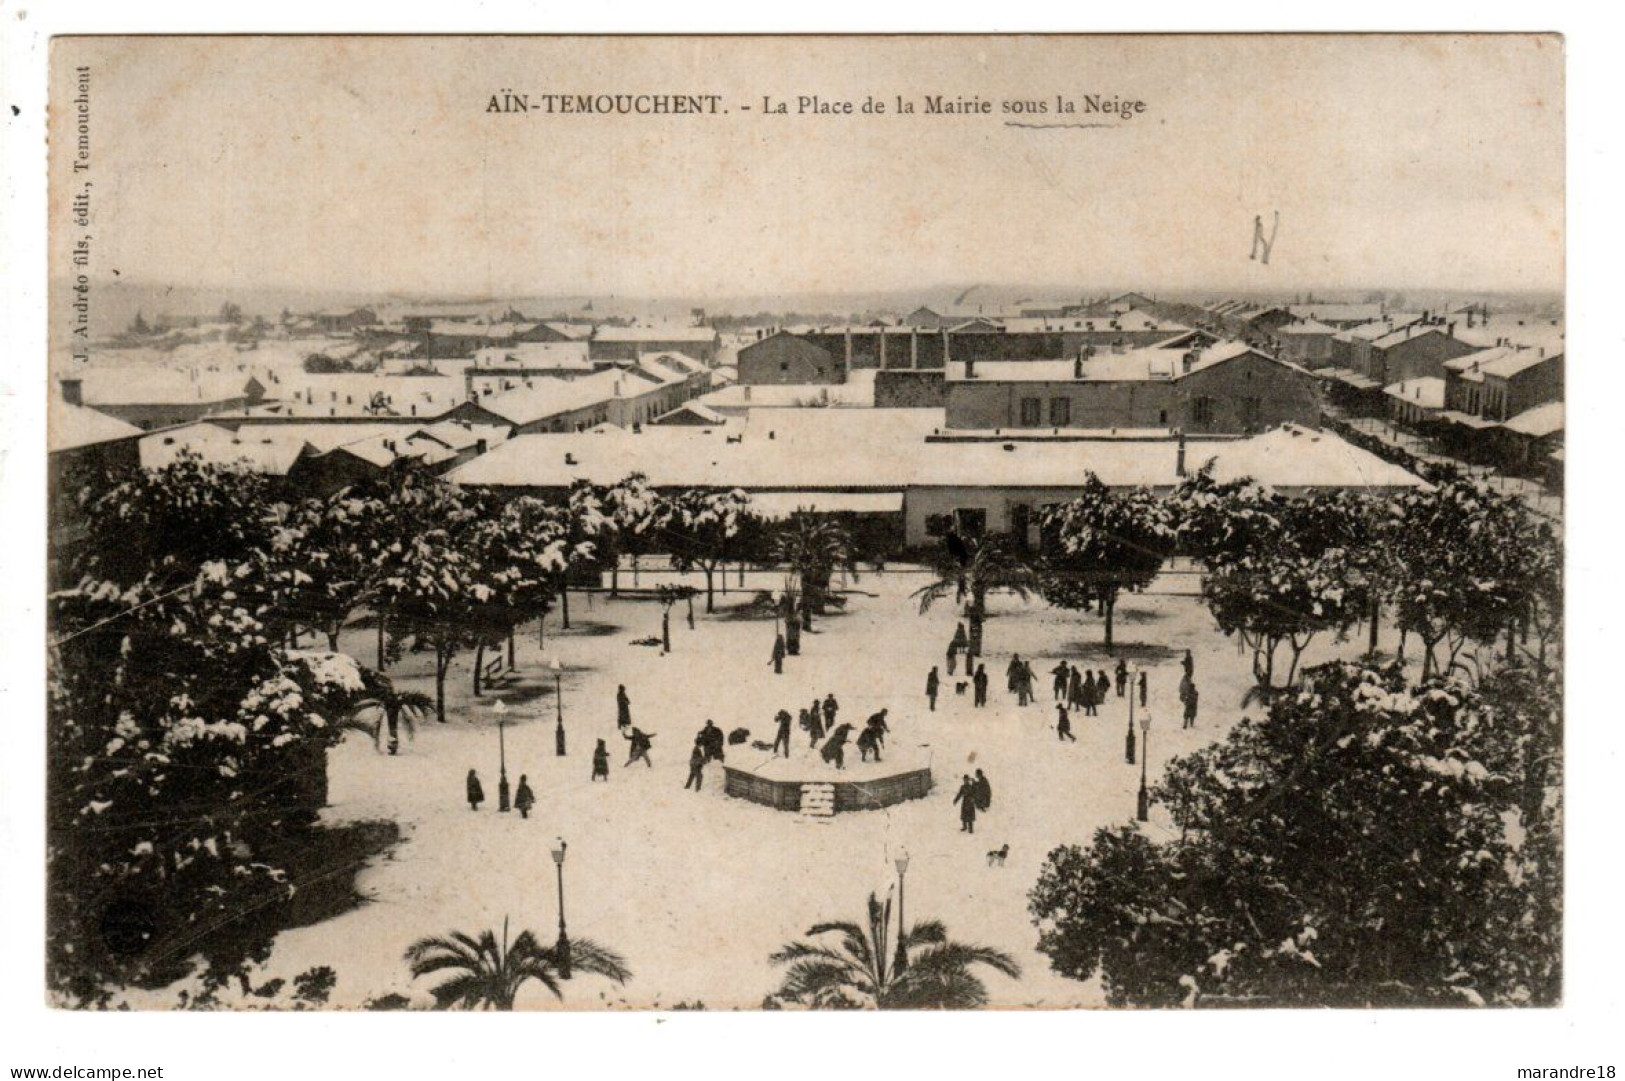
[
  {"x": 523, "y": 798},
  {"x": 975, "y": 795},
  {"x": 709, "y": 746},
  {"x": 816, "y": 720}
]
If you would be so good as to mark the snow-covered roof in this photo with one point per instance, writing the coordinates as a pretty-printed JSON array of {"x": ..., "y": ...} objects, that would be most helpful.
[
  {"x": 351, "y": 394},
  {"x": 69, "y": 426},
  {"x": 559, "y": 356},
  {"x": 703, "y": 413},
  {"x": 261, "y": 449},
  {"x": 1502, "y": 361},
  {"x": 655, "y": 334},
  {"x": 140, "y": 385},
  {"x": 886, "y": 450},
  {"x": 1337, "y": 313},
  {"x": 1426, "y": 392},
  {"x": 1148, "y": 364},
  {"x": 1307, "y": 327},
  {"x": 779, "y": 395},
  {"x": 1377, "y": 329},
  {"x": 1542, "y": 420}
]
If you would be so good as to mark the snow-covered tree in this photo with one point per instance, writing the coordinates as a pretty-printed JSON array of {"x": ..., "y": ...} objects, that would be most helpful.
[
  {"x": 1464, "y": 566},
  {"x": 1099, "y": 544},
  {"x": 327, "y": 554},
  {"x": 1365, "y": 843},
  {"x": 703, "y": 528},
  {"x": 630, "y": 509},
  {"x": 186, "y": 746},
  {"x": 432, "y": 587},
  {"x": 970, "y": 571},
  {"x": 814, "y": 546},
  {"x": 1278, "y": 571}
]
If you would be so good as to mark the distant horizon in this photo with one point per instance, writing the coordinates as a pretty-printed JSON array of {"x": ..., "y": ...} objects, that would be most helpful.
[{"x": 124, "y": 297}]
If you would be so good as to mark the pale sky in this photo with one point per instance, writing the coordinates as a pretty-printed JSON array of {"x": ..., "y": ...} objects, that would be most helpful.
[{"x": 371, "y": 164}]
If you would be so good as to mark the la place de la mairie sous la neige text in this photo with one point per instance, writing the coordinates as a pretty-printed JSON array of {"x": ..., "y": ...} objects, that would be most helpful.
[{"x": 1102, "y": 106}]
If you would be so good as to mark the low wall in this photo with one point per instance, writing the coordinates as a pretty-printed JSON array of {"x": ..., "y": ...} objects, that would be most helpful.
[{"x": 849, "y": 795}]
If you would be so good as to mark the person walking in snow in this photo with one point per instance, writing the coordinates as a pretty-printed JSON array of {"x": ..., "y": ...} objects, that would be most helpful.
[
  {"x": 1091, "y": 694},
  {"x": 1063, "y": 678},
  {"x": 623, "y": 707},
  {"x": 783, "y": 738},
  {"x": 600, "y": 762},
  {"x": 957, "y": 646},
  {"x": 831, "y": 708},
  {"x": 966, "y": 798},
  {"x": 815, "y": 725},
  {"x": 641, "y": 742},
  {"x": 1012, "y": 674},
  {"x": 1142, "y": 687},
  {"x": 524, "y": 799},
  {"x": 1122, "y": 676},
  {"x": 476, "y": 794},
  {"x": 1189, "y": 664},
  {"x": 933, "y": 684},
  {"x": 778, "y": 656},
  {"x": 1063, "y": 725},
  {"x": 696, "y": 768},
  {"x": 1190, "y": 707},
  {"x": 984, "y": 791},
  {"x": 979, "y": 681},
  {"x": 1074, "y": 694}
]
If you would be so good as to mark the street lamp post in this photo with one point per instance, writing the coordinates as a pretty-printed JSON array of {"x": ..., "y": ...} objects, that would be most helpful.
[
  {"x": 1143, "y": 810},
  {"x": 1128, "y": 737},
  {"x": 563, "y": 948},
  {"x": 558, "y": 702},
  {"x": 902, "y": 925},
  {"x": 501, "y": 710}
]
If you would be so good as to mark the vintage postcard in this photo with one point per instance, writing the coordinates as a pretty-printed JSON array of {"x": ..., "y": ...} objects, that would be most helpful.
[{"x": 805, "y": 522}]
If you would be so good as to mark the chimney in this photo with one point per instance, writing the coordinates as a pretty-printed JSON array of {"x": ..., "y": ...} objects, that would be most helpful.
[
  {"x": 1077, "y": 365},
  {"x": 848, "y": 361},
  {"x": 747, "y": 392},
  {"x": 73, "y": 391},
  {"x": 947, "y": 354},
  {"x": 970, "y": 368},
  {"x": 1450, "y": 328},
  {"x": 1188, "y": 361},
  {"x": 1179, "y": 460}
]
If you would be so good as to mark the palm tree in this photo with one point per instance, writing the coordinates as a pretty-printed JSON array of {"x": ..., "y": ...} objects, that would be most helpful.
[
  {"x": 813, "y": 546},
  {"x": 487, "y": 975},
  {"x": 857, "y": 972},
  {"x": 390, "y": 707},
  {"x": 970, "y": 570}
]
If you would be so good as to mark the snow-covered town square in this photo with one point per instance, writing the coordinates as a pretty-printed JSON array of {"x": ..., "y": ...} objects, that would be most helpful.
[{"x": 1043, "y": 550}]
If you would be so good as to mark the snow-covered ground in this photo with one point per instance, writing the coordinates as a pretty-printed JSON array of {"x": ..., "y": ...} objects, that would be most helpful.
[{"x": 697, "y": 890}]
